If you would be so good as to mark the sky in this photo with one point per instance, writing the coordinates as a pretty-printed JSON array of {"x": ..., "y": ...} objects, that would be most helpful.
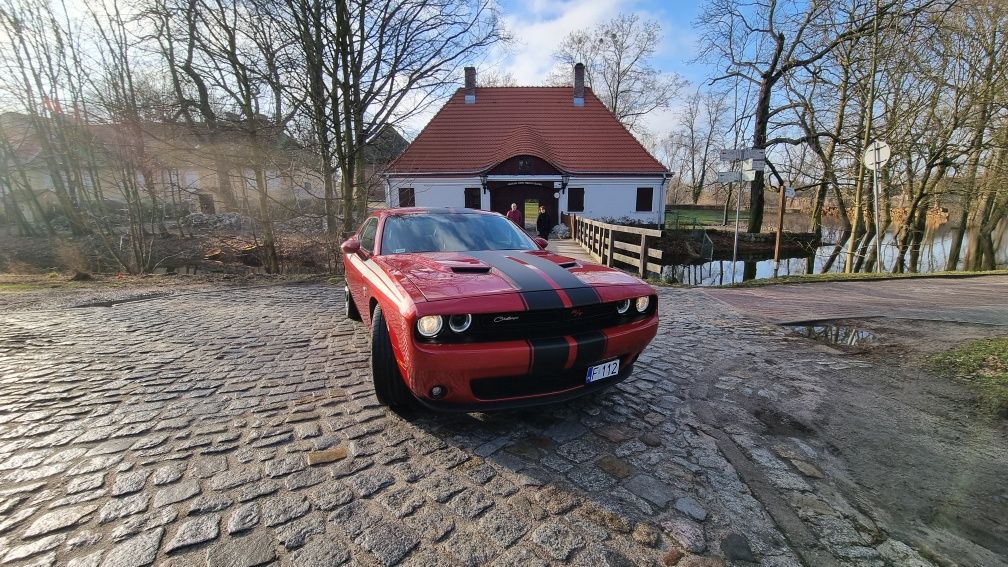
[{"x": 538, "y": 27}]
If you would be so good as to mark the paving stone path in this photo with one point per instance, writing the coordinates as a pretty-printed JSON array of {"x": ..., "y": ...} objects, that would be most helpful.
[{"x": 239, "y": 427}]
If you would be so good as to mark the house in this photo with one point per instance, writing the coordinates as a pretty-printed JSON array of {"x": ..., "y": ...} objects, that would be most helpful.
[
  {"x": 560, "y": 147},
  {"x": 193, "y": 169},
  {"x": 380, "y": 150}
]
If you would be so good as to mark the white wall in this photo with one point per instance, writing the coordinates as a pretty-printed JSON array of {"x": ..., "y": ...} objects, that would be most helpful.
[{"x": 613, "y": 197}]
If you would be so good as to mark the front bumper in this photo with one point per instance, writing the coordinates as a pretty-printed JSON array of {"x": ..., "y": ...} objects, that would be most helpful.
[{"x": 519, "y": 373}]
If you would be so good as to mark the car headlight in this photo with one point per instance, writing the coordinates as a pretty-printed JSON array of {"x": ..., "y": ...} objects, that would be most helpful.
[
  {"x": 459, "y": 323},
  {"x": 643, "y": 303},
  {"x": 429, "y": 325},
  {"x": 623, "y": 307}
]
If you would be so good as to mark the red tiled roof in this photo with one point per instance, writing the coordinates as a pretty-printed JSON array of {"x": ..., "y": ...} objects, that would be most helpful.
[{"x": 538, "y": 121}]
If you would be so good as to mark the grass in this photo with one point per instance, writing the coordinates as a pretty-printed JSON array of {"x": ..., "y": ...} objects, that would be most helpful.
[
  {"x": 701, "y": 216},
  {"x": 861, "y": 276},
  {"x": 26, "y": 286},
  {"x": 984, "y": 364}
]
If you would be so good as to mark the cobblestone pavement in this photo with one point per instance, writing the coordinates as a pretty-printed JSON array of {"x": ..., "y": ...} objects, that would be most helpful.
[
  {"x": 238, "y": 427},
  {"x": 976, "y": 299}
]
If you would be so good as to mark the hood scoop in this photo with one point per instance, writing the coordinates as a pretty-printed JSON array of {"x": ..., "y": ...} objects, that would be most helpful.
[
  {"x": 568, "y": 265},
  {"x": 470, "y": 269}
]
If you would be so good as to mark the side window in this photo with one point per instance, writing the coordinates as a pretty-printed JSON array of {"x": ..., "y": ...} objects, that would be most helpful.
[
  {"x": 644, "y": 198},
  {"x": 472, "y": 197},
  {"x": 367, "y": 235},
  {"x": 575, "y": 199},
  {"x": 407, "y": 198}
]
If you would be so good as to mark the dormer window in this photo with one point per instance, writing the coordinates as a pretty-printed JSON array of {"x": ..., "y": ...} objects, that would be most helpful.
[{"x": 524, "y": 165}]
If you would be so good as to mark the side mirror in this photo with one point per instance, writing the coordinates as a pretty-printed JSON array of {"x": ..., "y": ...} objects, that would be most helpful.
[
  {"x": 351, "y": 246},
  {"x": 542, "y": 243}
]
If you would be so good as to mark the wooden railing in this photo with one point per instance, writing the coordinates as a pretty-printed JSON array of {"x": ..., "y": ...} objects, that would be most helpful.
[{"x": 608, "y": 243}]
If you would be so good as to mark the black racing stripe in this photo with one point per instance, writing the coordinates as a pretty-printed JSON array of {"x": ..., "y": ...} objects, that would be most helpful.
[
  {"x": 545, "y": 299},
  {"x": 581, "y": 296},
  {"x": 590, "y": 348},
  {"x": 536, "y": 291},
  {"x": 579, "y": 292},
  {"x": 548, "y": 355}
]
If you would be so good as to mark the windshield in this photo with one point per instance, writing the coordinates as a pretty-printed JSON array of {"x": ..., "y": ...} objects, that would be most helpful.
[{"x": 408, "y": 234}]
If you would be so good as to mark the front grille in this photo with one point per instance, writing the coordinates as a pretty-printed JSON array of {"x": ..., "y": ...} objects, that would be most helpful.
[
  {"x": 546, "y": 323},
  {"x": 531, "y": 385},
  {"x": 540, "y": 324}
]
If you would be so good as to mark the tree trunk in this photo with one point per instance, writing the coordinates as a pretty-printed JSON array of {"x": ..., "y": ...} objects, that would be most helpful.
[
  {"x": 756, "y": 198},
  {"x": 844, "y": 236},
  {"x": 270, "y": 260}
]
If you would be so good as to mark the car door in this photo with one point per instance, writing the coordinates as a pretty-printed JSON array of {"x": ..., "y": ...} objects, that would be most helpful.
[{"x": 357, "y": 273}]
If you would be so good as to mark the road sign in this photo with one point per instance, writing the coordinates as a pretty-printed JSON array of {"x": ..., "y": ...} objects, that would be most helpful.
[
  {"x": 748, "y": 175},
  {"x": 789, "y": 192},
  {"x": 754, "y": 153},
  {"x": 877, "y": 154},
  {"x": 753, "y": 165},
  {"x": 732, "y": 155},
  {"x": 729, "y": 176}
]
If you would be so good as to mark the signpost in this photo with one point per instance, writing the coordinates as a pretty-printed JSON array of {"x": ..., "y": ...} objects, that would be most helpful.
[
  {"x": 732, "y": 155},
  {"x": 753, "y": 160},
  {"x": 729, "y": 176},
  {"x": 876, "y": 155}
]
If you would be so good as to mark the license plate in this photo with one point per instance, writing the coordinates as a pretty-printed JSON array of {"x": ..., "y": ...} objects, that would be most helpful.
[{"x": 604, "y": 370}]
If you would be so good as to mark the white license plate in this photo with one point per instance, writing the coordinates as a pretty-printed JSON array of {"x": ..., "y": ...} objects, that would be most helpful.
[{"x": 604, "y": 370}]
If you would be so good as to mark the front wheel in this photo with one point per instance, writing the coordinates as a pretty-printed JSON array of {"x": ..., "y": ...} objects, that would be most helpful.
[
  {"x": 390, "y": 389},
  {"x": 350, "y": 308}
]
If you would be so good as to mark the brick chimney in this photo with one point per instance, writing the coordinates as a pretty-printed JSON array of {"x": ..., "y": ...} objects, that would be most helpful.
[
  {"x": 579, "y": 84},
  {"x": 470, "y": 85}
]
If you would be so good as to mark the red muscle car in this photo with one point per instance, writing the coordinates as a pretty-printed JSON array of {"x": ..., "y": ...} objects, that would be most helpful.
[{"x": 469, "y": 313}]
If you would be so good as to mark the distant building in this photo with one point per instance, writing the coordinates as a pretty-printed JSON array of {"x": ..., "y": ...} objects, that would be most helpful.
[
  {"x": 557, "y": 146},
  {"x": 382, "y": 149},
  {"x": 208, "y": 171}
]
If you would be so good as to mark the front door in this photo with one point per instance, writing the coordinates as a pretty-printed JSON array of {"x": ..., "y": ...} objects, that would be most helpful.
[{"x": 528, "y": 197}]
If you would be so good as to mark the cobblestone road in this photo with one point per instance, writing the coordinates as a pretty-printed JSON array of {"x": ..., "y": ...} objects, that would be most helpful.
[{"x": 238, "y": 427}]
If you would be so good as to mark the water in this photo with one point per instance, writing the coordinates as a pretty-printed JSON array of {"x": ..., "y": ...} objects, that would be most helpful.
[
  {"x": 833, "y": 334},
  {"x": 934, "y": 256}
]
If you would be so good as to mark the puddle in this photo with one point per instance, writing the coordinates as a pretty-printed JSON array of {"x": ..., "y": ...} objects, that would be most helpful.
[
  {"x": 833, "y": 334},
  {"x": 779, "y": 423}
]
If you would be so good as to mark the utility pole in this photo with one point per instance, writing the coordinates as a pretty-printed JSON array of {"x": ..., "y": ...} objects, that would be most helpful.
[
  {"x": 753, "y": 162},
  {"x": 875, "y": 156}
]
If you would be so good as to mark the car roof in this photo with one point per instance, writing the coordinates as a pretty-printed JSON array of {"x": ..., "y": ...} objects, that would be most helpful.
[{"x": 399, "y": 211}]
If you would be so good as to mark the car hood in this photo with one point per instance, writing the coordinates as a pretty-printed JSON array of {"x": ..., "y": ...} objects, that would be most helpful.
[{"x": 453, "y": 275}]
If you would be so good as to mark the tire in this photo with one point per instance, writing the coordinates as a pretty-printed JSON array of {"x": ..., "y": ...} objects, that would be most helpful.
[
  {"x": 350, "y": 309},
  {"x": 389, "y": 387}
]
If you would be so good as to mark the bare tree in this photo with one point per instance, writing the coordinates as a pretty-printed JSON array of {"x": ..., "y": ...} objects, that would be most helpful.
[
  {"x": 494, "y": 78},
  {"x": 618, "y": 68},
  {"x": 46, "y": 47},
  {"x": 977, "y": 38},
  {"x": 766, "y": 41},
  {"x": 701, "y": 132}
]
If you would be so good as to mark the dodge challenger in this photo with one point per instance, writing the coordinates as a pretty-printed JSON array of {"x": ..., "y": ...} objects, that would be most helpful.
[{"x": 469, "y": 313}]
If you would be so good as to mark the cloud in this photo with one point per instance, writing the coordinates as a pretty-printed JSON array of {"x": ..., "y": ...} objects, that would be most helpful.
[{"x": 538, "y": 27}]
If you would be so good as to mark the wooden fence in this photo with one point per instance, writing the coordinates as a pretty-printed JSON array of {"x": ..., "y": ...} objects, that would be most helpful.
[{"x": 607, "y": 243}]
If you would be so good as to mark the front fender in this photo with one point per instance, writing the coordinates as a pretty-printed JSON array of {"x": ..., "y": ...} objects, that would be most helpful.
[{"x": 400, "y": 320}]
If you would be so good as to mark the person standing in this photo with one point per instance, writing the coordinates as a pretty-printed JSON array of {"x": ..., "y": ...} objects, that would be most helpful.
[
  {"x": 515, "y": 216},
  {"x": 544, "y": 223}
]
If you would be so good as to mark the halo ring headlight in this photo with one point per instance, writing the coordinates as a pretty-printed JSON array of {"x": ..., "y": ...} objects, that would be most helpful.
[
  {"x": 459, "y": 323},
  {"x": 429, "y": 325},
  {"x": 642, "y": 304},
  {"x": 623, "y": 306}
]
